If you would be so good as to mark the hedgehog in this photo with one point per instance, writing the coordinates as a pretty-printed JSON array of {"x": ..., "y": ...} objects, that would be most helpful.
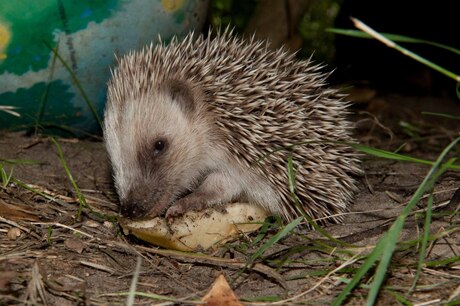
[{"x": 206, "y": 121}]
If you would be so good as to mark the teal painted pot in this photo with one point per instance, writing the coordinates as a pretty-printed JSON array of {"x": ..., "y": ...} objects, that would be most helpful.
[{"x": 55, "y": 56}]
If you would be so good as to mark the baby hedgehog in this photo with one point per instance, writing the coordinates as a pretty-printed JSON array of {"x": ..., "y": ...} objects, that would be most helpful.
[{"x": 209, "y": 121}]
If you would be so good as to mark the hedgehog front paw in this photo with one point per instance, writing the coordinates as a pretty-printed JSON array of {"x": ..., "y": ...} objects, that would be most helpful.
[
  {"x": 175, "y": 211},
  {"x": 184, "y": 205}
]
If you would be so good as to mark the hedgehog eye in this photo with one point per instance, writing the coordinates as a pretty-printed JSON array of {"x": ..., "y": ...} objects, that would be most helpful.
[{"x": 159, "y": 147}]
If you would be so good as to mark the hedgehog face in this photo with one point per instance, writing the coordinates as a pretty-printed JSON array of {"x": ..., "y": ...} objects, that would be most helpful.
[{"x": 157, "y": 144}]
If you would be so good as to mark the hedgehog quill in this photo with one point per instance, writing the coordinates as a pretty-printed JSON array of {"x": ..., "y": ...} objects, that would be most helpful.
[{"x": 200, "y": 122}]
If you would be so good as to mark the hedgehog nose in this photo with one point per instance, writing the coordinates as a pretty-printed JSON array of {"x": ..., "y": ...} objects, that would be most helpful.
[
  {"x": 137, "y": 203},
  {"x": 133, "y": 209}
]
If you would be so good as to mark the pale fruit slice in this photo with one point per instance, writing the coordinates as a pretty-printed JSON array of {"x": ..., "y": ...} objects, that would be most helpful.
[{"x": 198, "y": 230}]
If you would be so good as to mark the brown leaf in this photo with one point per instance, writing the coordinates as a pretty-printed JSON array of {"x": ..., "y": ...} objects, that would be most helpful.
[
  {"x": 75, "y": 244},
  {"x": 5, "y": 278},
  {"x": 221, "y": 294},
  {"x": 13, "y": 233},
  {"x": 16, "y": 212}
]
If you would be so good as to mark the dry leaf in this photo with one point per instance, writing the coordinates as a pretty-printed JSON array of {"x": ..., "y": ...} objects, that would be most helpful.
[
  {"x": 16, "y": 212},
  {"x": 109, "y": 225},
  {"x": 13, "y": 233},
  {"x": 5, "y": 278},
  {"x": 75, "y": 244},
  {"x": 221, "y": 294},
  {"x": 92, "y": 224}
]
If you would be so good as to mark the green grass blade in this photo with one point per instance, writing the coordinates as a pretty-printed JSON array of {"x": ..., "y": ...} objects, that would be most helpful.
[
  {"x": 368, "y": 263},
  {"x": 389, "y": 245},
  {"x": 394, "y": 156},
  {"x": 270, "y": 242},
  {"x": 386, "y": 245},
  {"x": 78, "y": 84},
  {"x": 6, "y": 178},
  {"x": 389, "y": 43},
  {"x": 25, "y": 186},
  {"x": 362, "y": 148},
  {"x": 263, "y": 231},
  {"x": 153, "y": 296},
  {"x": 393, "y": 37},
  {"x": 44, "y": 97},
  {"x": 443, "y": 263},
  {"x": 400, "y": 298},
  {"x": 132, "y": 287},
  {"x": 426, "y": 235},
  {"x": 263, "y": 299},
  {"x": 442, "y": 115},
  {"x": 81, "y": 198},
  {"x": 291, "y": 175},
  {"x": 319, "y": 229},
  {"x": 20, "y": 161},
  {"x": 395, "y": 230},
  {"x": 389, "y": 155}
]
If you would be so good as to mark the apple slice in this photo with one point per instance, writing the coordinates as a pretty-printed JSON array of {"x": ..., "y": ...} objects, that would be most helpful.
[{"x": 198, "y": 230}]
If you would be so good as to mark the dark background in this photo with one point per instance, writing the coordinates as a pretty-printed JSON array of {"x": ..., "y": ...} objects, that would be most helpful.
[{"x": 301, "y": 26}]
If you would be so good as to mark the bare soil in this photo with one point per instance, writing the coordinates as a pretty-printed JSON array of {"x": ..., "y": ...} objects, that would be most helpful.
[{"x": 51, "y": 254}]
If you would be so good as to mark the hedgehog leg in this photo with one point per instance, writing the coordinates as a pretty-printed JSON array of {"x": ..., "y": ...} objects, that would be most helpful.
[{"x": 217, "y": 188}]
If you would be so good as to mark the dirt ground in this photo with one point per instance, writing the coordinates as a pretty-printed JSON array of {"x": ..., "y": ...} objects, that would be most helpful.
[{"x": 50, "y": 255}]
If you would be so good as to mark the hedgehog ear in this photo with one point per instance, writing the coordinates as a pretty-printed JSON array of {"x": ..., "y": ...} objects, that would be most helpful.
[{"x": 181, "y": 93}]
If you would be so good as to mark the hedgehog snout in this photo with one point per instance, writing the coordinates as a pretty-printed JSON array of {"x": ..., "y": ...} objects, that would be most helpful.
[
  {"x": 142, "y": 202},
  {"x": 133, "y": 210},
  {"x": 135, "y": 206}
]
